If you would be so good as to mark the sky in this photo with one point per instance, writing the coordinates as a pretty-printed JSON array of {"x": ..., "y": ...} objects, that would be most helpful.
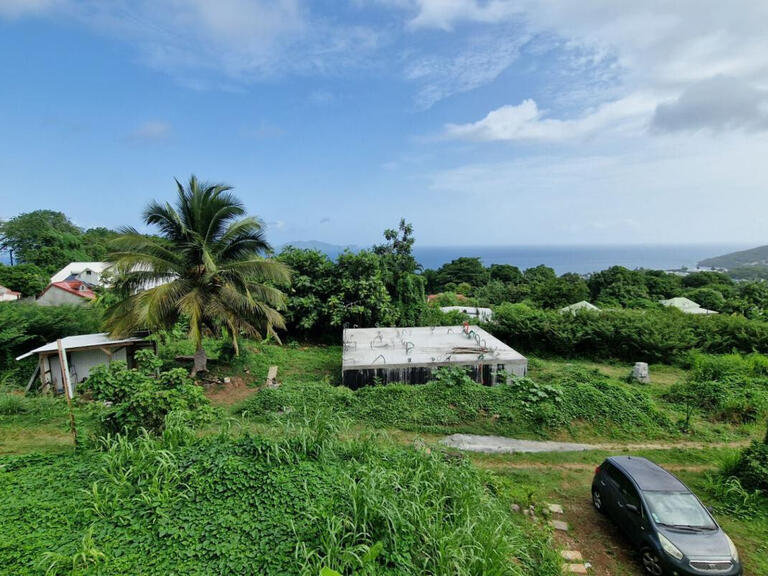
[{"x": 482, "y": 122}]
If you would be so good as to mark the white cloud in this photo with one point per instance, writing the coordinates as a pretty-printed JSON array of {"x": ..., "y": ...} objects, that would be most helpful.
[
  {"x": 680, "y": 189},
  {"x": 18, "y": 8},
  {"x": 244, "y": 40},
  {"x": 471, "y": 64},
  {"x": 151, "y": 131},
  {"x": 526, "y": 122}
]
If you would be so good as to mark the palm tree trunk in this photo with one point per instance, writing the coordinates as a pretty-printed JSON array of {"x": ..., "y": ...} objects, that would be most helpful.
[{"x": 200, "y": 363}]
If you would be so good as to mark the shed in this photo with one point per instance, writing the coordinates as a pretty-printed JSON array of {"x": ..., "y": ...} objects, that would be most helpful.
[
  {"x": 475, "y": 313},
  {"x": 685, "y": 305},
  {"x": 411, "y": 355},
  {"x": 578, "y": 306},
  {"x": 8, "y": 295},
  {"x": 84, "y": 353}
]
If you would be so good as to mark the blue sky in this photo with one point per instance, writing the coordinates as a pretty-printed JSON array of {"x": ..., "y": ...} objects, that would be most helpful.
[{"x": 482, "y": 122}]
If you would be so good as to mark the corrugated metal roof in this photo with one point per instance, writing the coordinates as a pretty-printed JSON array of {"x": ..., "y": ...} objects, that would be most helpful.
[
  {"x": 83, "y": 341},
  {"x": 77, "y": 268}
]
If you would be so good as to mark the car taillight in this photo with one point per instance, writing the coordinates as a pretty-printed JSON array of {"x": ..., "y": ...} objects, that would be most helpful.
[{"x": 597, "y": 469}]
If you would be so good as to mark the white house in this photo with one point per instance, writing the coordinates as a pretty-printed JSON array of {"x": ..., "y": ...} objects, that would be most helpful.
[
  {"x": 481, "y": 314},
  {"x": 83, "y": 353},
  {"x": 89, "y": 273},
  {"x": 8, "y": 295},
  {"x": 685, "y": 305},
  {"x": 578, "y": 306}
]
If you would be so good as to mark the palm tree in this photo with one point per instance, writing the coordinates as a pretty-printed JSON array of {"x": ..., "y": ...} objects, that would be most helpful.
[{"x": 208, "y": 265}]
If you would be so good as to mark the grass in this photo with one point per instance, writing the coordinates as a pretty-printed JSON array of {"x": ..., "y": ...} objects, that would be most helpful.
[{"x": 411, "y": 416}]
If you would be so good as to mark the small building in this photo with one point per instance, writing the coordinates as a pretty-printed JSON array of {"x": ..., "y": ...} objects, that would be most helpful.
[
  {"x": 411, "y": 355},
  {"x": 685, "y": 305},
  {"x": 8, "y": 295},
  {"x": 474, "y": 313},
  {"x": 89, "y": 273},
  {"x": 83, "y": 353},
  {"x": 67, "y": 292},
  {"x": 579, "y": 306}
]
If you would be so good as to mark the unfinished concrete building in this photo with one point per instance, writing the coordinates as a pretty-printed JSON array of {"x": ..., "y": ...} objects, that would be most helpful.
[{"x": 411, "y": 355}]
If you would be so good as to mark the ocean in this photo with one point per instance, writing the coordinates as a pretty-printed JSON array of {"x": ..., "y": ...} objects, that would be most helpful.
[{"x": 579, "y": 259}]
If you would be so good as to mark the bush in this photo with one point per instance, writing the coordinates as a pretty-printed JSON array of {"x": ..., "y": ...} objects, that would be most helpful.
[
  {"x": 142, "y": 398},
  {"x": 752, "y": 467},
  {"x": 630, "y": 335},
  {"x": 452, "y": 402}
]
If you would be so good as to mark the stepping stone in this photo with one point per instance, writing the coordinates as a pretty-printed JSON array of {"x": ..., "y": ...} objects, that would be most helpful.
[
  {"x": 571, "y": 555},
  {"x": 559, "y": 525},
  {"x": 555, "y": 508},
  {"x": 574, "y": 569}
]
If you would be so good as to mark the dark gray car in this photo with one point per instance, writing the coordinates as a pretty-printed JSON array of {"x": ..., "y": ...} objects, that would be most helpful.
[{"x": 675, "y": 533}]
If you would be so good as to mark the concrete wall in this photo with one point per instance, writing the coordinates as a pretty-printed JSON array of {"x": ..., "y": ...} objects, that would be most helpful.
[
  {"x": 486, "y": 374},
  {"x": 56, "y": 297}
]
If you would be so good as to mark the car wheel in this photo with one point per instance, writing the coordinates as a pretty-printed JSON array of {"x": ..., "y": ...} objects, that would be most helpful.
[
  {"x": 651, "y": 562},
  {"x": 597, "y": 501}
]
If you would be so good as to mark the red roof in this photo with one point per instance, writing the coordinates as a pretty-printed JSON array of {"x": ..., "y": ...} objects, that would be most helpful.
[
  {"x": 73, "y": 287},
  {"x": 4, "y": 290}
]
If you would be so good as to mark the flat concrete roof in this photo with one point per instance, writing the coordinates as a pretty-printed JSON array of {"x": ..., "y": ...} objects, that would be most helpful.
[{"x": 423, "y": 346}]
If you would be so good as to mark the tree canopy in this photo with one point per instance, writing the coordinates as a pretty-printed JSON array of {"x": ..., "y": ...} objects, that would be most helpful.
[{"x": 207, "y": 265}]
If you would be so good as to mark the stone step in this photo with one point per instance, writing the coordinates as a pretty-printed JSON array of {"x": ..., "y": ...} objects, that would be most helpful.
[
  {"x": 571, "y": 555},
  {"x": 574, "y": 569},
  {"x": 555, "y": 508},
  {"x": 559, "y": 525}
]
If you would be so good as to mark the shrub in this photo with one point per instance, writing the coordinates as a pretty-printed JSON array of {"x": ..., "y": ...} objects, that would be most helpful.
[
  {"x": 630, "y": 335},
  {"x": 453, "y": 401},
  {"x": 752, "y": 467},
  {"x": 143, "y": 398}
]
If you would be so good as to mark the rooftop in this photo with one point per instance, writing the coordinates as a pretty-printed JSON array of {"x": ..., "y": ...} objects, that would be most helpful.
[
  {"x": 77, "y": 268},
  {"x": 433, "y": 346},
  {"x": 648, "y": 475},
  {"x": 81, "y": 342}
]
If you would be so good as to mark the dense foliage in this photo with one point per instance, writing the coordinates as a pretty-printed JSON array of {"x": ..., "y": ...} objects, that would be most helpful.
[
  {"x": 731, "y": 388},
  {"x": 49, "y": 240},
  {"x": 25, "y": 326},
  {"x": 630, "y": 335},
  {"x": 453, "y": 401},
  {"x": 248, "y": 504},
  {"x": 141, "y": 398}
]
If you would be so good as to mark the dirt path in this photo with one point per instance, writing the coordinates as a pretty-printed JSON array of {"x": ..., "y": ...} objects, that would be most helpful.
[{"x": 503, "y": 445}]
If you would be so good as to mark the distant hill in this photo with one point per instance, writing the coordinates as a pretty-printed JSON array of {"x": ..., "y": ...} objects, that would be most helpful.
[{"x": 752, "y": 257}]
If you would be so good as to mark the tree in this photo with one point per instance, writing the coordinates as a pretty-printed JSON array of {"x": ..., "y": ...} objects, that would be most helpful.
[
  {"x": 207, "y": 266},
  {"x": 506, "y": 273},
  {"x": 28, "y": 279},
  {"x": 45, "y": 238},
  {"x": 313, "y": 280},
  {"x": 464, "y": 269},
  {"x": 399, "y": 267}
]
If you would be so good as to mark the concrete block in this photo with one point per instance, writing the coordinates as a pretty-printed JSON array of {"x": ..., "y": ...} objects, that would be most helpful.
[
  {"x": 574, "y": 569},
  {"x": 555, "y": 508},
  {"x": 571, "y": 555},
  {"x": 559, "y": 525}
]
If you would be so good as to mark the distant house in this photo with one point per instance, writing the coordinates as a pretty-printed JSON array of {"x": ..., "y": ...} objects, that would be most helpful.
[
  {"x": 66, "y": 292},
  {"x": 83, "y": 353},
  {"x": 685, "y": 305},
  {"x": 578, "y": 306},
  {"x": 475, "y": 313},
  {"x": 89, "y": 273},
  {"x": 8, "y": 295}
]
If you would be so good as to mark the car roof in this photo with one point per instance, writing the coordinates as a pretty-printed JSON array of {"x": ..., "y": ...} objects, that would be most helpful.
[{"x": 647, "y": 475}]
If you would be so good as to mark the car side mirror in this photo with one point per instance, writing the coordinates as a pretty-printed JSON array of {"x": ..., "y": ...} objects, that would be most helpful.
[{"x": 634, "y": 509}]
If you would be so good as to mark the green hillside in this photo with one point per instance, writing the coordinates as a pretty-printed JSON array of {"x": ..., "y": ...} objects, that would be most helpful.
[{"x": 751, "y": 257}]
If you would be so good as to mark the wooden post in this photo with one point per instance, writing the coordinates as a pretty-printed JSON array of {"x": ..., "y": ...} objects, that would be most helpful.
[{"x": 67, "y": 390}]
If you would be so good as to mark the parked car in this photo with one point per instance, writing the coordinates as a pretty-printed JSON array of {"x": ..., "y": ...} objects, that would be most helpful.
[{"x": 674, "y": 531}]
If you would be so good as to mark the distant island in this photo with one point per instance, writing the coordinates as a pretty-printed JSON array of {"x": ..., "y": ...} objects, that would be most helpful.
[
  {"x": 749, "y": 264},
  {"x": 752, "y": 257}
]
